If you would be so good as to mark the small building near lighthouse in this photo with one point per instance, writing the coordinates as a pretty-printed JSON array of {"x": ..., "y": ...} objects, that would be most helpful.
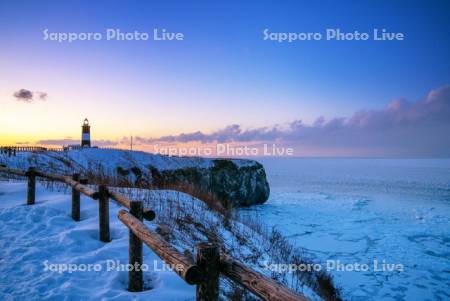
[{"x": 86, "y": 134}]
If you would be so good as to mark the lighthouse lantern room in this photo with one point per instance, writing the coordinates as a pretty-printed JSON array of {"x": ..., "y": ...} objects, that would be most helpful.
[{"x": 86, "y": 134}]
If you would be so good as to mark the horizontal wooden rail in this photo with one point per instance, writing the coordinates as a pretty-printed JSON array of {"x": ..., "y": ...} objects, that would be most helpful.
[
  {"x": 122, "y": 200},
  {"x": 76, "y": 185},
  {"x": 13, "y": 171},
  {"x": 125, "y": 202},
  {"x": 260, "y": 285},
  {"x": 182, "y": 265}
]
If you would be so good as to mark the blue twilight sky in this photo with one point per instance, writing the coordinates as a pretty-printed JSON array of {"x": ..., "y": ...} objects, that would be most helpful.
[{"x": 223, "y": 73}]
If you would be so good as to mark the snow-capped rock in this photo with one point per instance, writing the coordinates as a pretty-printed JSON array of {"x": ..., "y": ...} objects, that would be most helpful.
[{"x": 236, "y": 181}]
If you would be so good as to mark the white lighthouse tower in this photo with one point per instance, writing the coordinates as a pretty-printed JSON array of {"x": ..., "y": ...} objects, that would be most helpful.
[{"x": 86, "y": 134}]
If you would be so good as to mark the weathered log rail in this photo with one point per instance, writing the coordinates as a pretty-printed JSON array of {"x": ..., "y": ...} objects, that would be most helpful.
[{"x": 204, "y": 272}]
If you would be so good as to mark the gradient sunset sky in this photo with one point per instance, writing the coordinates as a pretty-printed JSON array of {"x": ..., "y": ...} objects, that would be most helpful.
[{"x": 223, "y": 82}]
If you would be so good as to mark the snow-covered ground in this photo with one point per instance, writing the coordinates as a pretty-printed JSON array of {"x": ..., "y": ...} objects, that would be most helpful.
[
  {"x": 35, "y": 239},
  {"x": 108, "y": 159}
]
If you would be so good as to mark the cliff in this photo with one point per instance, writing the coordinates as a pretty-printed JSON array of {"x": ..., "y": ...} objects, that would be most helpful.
[{"x": 236, "y": 181}]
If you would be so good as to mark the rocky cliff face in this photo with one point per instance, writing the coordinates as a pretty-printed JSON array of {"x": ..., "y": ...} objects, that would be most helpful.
[
  {"x": 240, "y": 185},
  {"x": 232, "y": 181}
]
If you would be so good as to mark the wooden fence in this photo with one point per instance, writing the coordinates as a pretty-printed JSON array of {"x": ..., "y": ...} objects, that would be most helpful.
[
  {"x": 13, "y": 150},
  {"x": 204, "y": 272}
]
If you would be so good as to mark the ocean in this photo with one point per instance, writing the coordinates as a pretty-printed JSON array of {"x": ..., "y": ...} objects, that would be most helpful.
[{"x": 380, "y": 226}]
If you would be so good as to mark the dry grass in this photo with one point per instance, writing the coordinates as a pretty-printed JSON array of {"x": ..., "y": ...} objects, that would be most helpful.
[{"x": 187, "y": 223}]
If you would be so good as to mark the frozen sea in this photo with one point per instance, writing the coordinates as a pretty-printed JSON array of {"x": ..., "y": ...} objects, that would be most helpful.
[{"x": 357, "y": 211}]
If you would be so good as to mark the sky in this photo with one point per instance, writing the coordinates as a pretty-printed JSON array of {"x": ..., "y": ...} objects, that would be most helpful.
[{"x": 223, "y": 83}]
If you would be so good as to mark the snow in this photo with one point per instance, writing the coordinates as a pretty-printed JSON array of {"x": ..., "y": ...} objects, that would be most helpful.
[
  {"x": 37, "y": 243},
  {"x": 43, "y": 235},
  {"x": 109, "y": 159},
  {"x": 190, "y": 222}
]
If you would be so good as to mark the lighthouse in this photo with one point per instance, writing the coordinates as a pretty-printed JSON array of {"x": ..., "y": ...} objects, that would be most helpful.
[{"x": 86, "y": 134}]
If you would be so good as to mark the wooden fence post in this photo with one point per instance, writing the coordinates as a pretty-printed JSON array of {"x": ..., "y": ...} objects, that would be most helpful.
[
  {"x": 103, "y": 213},
  {"x": 208, "y": 256},
  {"x": 76, "y": 200},
  {"x": 135, "y": 280},
  {"x": 31, "y": 193}
]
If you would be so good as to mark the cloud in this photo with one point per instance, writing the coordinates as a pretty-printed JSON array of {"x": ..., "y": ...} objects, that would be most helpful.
[
  {"x": 402, "y": 128},
  {"x": 230, "y": 133},
  {"x": 28, "y": 96},
  {"x": 24, "y": 95},
  {"x": 69, "y": 141},
  {"x": 41, "y": 95}
]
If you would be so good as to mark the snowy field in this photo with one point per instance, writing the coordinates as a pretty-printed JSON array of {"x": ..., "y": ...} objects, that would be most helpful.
[
  {"x": 361, "y": 210},
  {"x": 35, "y": 239},
  {"x": 37, "y": 243},
  {"x": 107, "y": 159}
]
